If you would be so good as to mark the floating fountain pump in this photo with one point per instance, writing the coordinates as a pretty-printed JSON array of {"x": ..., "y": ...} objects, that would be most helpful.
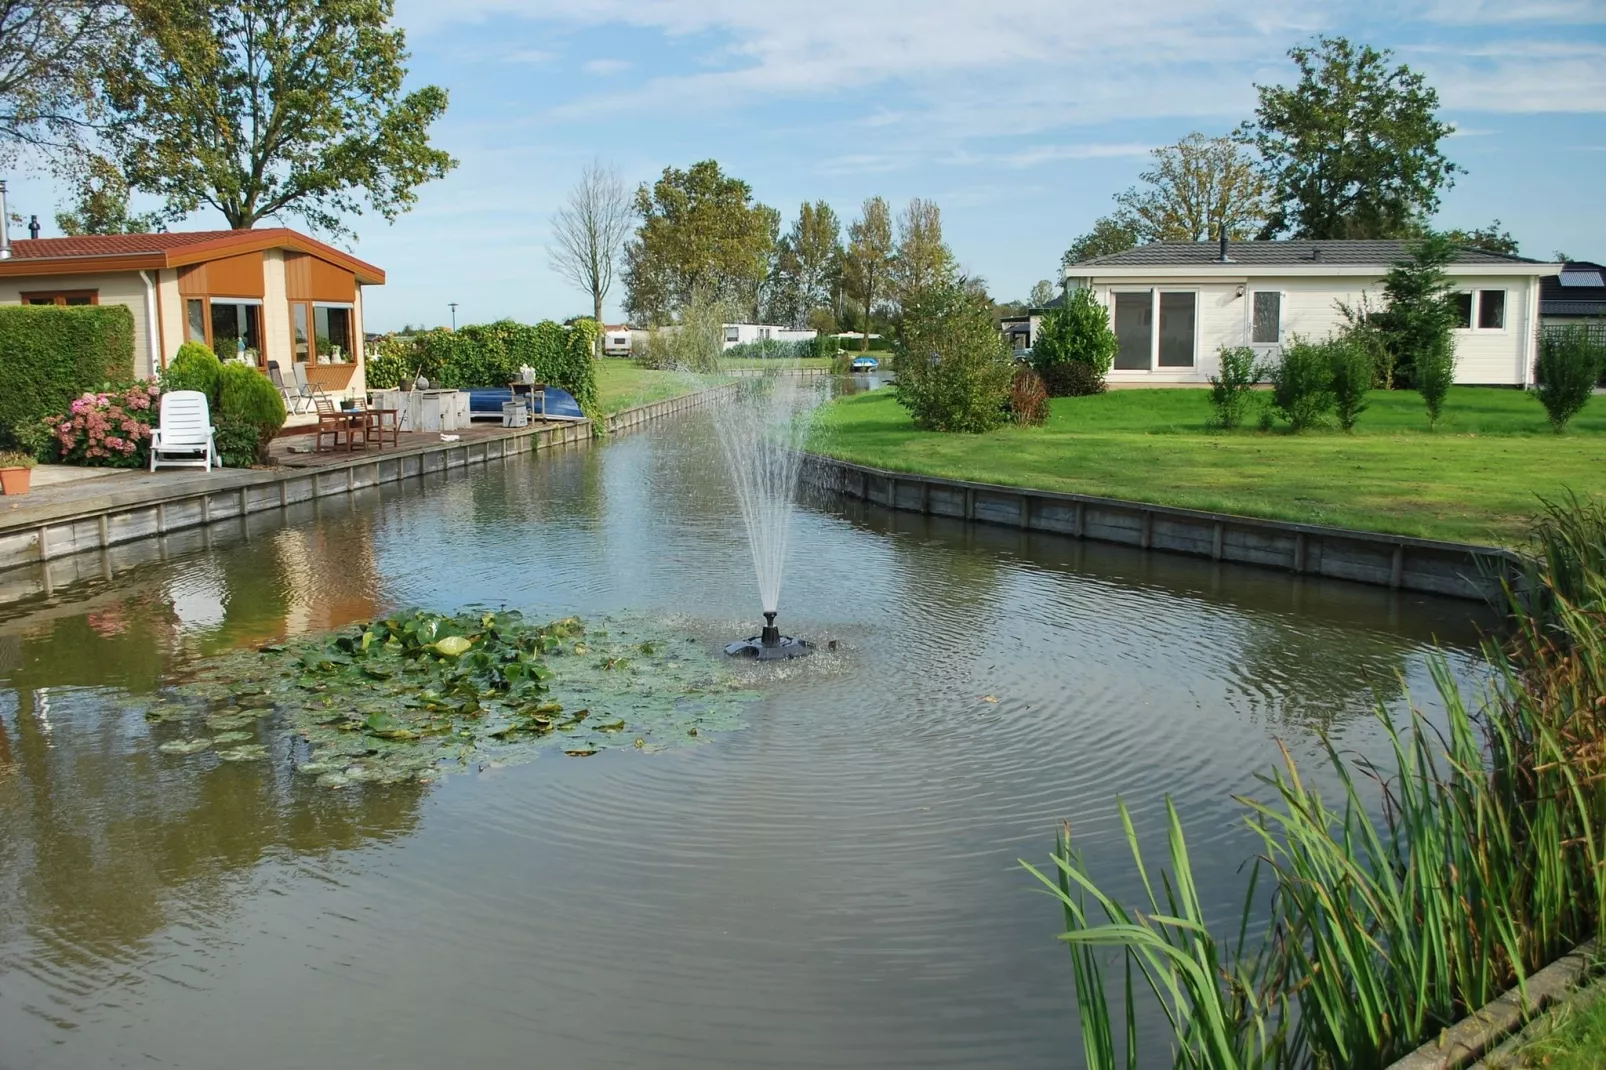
[{"x": 770, "y": 645}]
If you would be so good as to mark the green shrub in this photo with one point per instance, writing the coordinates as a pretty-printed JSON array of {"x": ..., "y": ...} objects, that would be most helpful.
[
  {"x": 1078, "y": 333},
  {"x": 1301, "y": 385},
  {"x": 1231, "y": 390},
  {"x": 194, "y": 367},
  {"x": 1353, "y": 369},
  {"x": 1418, "y": 319},
  {"x": 1569, "y": 366},
  {"x": 50, "y": 355},
  {"x": 1028, "y": 398},
  {"x": 491, "y": 354},
  {"x": 954, "y": 368},
  {"x": 1435, "y": 373},
  {"x": 248, "y": 398},
  {"x": 389, "y": 361},
  {"x": 239, "y": 442},
  {"x": 694, "y": 344}
]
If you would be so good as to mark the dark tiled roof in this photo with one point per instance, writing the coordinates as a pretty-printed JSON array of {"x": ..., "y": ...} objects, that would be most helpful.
[
  {"x": 1056, "y": 303},
  {"x": 1558, "y": 300},
  {"x": 1291, "y": 252}
]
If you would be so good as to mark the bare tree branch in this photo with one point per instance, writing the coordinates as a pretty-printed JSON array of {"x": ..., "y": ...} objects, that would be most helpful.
[{"x": 588, "y": 231}]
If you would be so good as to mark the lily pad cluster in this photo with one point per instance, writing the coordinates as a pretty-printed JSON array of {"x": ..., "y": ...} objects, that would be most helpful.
[{"x": 407, "y": 696}]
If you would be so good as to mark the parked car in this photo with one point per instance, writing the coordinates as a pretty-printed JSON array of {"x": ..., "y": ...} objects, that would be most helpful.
[{"x": 865, "y": 364}]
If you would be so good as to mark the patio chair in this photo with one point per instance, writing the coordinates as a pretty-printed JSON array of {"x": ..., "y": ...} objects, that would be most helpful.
[
  {"x": 306, "y": 390},
  {"x": 183, "y": 431},
  {"x": 336, "y": 422},
  {"x": 292, "y": 397}
]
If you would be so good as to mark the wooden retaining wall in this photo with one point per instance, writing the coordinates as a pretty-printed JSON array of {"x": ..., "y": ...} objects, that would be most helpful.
[
  {"x": 91, "y": 528},
  {"x": 1400, "y": 562}
]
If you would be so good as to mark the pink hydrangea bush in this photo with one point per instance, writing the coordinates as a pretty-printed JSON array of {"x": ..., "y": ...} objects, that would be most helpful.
[{"x": 111, "y": 429}]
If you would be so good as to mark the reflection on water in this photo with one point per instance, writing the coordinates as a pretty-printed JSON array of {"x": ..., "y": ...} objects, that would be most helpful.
[{"x": 833, "y": 886}]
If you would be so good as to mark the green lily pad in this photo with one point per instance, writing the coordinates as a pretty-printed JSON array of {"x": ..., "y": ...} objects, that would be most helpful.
[
  {"x": 249, "y": 752},
  {"x": 185, "y": 746},
  {"x": 225, "y": 738}
]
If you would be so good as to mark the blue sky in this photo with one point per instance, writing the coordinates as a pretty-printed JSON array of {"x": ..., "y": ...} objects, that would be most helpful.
[{"x": 1021, "y": 118}]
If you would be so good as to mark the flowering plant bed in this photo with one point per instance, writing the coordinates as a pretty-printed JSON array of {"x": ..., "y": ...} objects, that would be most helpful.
[{"x": 109, "y": 429}]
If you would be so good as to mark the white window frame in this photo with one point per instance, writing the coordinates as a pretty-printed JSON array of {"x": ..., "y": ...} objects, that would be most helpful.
[
  {"x": 1477, "y": 293},
  {"x": 1154, "y": 293}
]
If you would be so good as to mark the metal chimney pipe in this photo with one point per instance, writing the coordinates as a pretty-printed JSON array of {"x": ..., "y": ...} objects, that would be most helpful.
[
  {"x": 5, "y": 224},
  {"x": 33, "y": 227},
  {"x": 1224, "y": 256}
]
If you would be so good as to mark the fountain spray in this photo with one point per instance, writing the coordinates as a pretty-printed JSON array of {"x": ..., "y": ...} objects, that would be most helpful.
[{"x": 763, "y": 427}]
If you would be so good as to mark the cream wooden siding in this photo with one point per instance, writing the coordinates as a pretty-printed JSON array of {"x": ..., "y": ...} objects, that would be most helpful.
[
  {"x": 172, "y": 314},
  {"x": 119, "y": 288},
  {"x": 1310, "y": 311},
  {"x": 276, "y": 313}
]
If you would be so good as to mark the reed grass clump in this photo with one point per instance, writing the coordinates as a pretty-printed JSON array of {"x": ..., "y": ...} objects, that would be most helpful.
[{"x": 1486, "y": 862}]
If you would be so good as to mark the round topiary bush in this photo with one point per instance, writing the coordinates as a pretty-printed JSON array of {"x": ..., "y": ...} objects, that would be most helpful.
[
  {"x": 247, "y": 397},
  {"x": 194, "y": 367}
]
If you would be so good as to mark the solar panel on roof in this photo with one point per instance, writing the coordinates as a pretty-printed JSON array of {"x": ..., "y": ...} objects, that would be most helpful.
[{"x": 1582, "y": 278}]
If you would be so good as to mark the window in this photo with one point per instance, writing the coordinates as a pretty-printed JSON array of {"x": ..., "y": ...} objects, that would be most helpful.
[
  {"x": 1462, "y": 305},
  {"x": 1491, "y": 310},
  {"x": 195, "y": 320},
  {"x": 236, "y": 329},
  {"x": 1266, "y": 327},
  {"x": 733, "y": 334},
  {"x": 62, "y": 297},
  {"x": 1141, "y": 346},
  {"x": 299, "y": 333},
  {"x": 1177, "y": 320},
  {"x": 1134, "y": 320},
  {"x": 331, "y": 325}
]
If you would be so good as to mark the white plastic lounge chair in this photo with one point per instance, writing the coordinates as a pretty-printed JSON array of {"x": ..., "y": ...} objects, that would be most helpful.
[
  {"x": 306, "y": 390},
  {"x": 184, "y": 431}
]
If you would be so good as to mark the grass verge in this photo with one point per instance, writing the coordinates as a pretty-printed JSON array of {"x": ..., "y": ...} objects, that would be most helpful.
[{"x": 1476, "y": 479}]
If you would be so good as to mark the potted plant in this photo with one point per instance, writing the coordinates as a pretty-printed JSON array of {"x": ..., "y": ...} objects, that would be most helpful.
[{"x": 16, "y": 472}]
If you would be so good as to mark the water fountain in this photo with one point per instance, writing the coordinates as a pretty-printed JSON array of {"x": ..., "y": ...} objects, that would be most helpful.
[{"x": 763, "y": 427}]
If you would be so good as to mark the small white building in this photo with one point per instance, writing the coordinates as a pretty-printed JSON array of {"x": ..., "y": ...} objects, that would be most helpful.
[
  {"x": 741, "y": 333},
  {"x": 1175, "y": 305}
]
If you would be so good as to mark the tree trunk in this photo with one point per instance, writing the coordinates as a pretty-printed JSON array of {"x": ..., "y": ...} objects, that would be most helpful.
[
  {"x": 596, "y": 304},
  {"x": 869, "y": 299}
]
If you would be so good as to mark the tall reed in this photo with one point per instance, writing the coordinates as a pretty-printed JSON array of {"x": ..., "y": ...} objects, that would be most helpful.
[{"x": 1487, "y": 861}]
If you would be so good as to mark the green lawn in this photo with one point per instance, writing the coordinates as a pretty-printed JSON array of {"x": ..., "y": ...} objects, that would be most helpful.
[
  {"x": 1476, "y": 479},
  {"x": 1578, "y": 1041},
  {"x": 624, "y": 384}
]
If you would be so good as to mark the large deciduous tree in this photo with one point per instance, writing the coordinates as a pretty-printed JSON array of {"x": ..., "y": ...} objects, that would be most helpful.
[
  {"x": 49, "y": 52},
  {"x": 701, "y": 232},
  {"x": 265, "y": 108},
  {"x": 1196, "y": 189},
  {"x": 1042, "y": 293},
  {"x": 588, "y": 232},
  {"x": 869, "y": 258},
  {"x": 102, "y": 202},
  {"x": 1491, "y": 239},
  {"x": 1352, "y": 150},
  {"x": 922, "y": 258},
  {"x": 1110, "y": 234}
]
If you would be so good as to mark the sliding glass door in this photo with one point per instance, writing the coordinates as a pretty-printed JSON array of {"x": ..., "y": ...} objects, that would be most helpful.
[{"x": 1143, "y": 347}]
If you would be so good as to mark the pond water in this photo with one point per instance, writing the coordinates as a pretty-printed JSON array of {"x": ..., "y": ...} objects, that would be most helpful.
[{"x": 833, "y": 885}]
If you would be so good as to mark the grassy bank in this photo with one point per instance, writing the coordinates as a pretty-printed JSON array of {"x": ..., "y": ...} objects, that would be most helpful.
[
  {"x": 624, "y": 384},
  {"x": 1475, "y": 479},
  {"x": 1577, "y": 1040}
]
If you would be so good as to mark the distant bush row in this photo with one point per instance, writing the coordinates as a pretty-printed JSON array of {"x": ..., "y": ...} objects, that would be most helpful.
[{"x": 821, "y": 345}]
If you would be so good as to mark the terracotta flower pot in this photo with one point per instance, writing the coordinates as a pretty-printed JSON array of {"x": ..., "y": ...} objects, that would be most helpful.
[{"x": 15, "y": 480}]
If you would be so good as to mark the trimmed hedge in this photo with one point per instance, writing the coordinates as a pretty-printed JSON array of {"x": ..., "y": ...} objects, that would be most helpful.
[
  {"x": 491, "y": 354},
  {"x": 51, "y": 354}
]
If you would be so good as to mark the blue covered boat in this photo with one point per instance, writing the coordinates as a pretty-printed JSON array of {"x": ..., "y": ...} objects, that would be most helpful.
[
  {"x": 865, "y": 364},
  {"x": 554, "y": 403}
]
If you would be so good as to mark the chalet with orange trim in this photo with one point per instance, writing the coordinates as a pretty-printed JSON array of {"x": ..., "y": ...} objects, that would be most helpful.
[{"x": 271, "y": 294}]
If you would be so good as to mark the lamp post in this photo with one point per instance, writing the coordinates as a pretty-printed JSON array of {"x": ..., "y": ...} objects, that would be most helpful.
[{"x": 453, "y": 306}]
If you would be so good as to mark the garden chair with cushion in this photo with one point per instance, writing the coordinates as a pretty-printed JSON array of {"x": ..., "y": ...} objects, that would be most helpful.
[{"x": 183, "y": 435}]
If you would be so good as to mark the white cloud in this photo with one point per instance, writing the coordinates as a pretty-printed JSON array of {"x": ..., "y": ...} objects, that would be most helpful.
[{"x": 602, "y": 68}]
